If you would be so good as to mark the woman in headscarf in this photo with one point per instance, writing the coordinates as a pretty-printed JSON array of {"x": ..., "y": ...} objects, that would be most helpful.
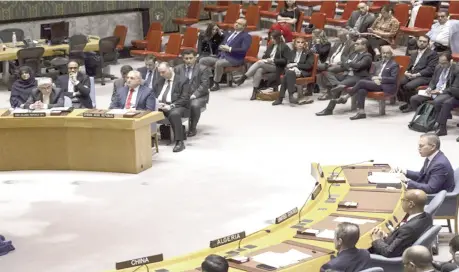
[{"x": 22, "y": 87}]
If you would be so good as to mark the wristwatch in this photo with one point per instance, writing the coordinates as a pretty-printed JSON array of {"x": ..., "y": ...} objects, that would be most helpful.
[{"x": 172, "y": 106}]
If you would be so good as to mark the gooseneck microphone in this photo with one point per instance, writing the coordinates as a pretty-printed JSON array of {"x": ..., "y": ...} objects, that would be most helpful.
[
  {"x": 307, "y": 199},
  {"x": 334, "y": 175},
  {"x": 265, "y": 230}
]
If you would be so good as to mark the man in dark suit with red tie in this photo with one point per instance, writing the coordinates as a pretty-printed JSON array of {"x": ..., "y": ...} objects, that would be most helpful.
[
  {"x": 173, "y": 93},
  {"x": 415, "y": 223},
  {"x": 134, "y": 95},
  {"x": 232, "y": 52},
  {"x": 436, "y": 174}
]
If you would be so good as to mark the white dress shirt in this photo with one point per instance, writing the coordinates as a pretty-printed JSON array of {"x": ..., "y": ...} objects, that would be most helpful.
[
  {"x": 336, "y": 57},
  {"x": 169, "y": 96},
  {"x": 440, "y": 33},
  {"x": 150, "y": 84},
  {"x": 419, "y": 56},
  {"x": 133, "y": 98},
  {"x": 273, "y": 52},
  {"x": 412, "y": 216},
  {"x": 71, "y": 87},
  {"x": 382, "y": 68},
  {"x": 297, "y": 56},
  {"x": 430, "y": 158}
]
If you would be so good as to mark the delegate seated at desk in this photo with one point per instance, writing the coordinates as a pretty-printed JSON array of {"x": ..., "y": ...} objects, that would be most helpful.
[
  {"x": 22, "y": 87},
  {"x": 134, "y": 95},
  {"x": 415, "y": 223},
  {"x": 76, "y": 86},
  {"x": 45, "y": 96}
]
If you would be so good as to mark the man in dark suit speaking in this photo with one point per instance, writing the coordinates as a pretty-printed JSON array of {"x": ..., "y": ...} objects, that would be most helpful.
[
  {"x": 134, "y": 95},
  {"x": 415, "y": 223},
  {"x": 173, "y": 94},
  {"x": 436, "y": 174},
  {"x": 349, "y": 258}
]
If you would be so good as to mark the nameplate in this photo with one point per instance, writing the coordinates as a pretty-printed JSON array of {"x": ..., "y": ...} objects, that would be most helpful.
[
  {"x": 98, "y": 115},
  {"x": 286, "y": 215},
  {"x": 227, "y": 239},
  {"x": 29, "y": 114},
  {"x": 139, "y": 261},
  {"x": 321, "y": 172},
  {"x": 316, "y": 192}
]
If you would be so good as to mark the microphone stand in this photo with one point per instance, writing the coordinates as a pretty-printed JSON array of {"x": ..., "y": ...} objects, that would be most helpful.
[{"x": 307, "y": 199}]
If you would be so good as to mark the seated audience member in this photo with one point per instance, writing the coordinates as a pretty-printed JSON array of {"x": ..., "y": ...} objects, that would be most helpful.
[
  {"x": 349, "y": 258},
  {"x": 320, "y": 45},
  {"x": 444, "y": 108},
  {"x": 210, "y": 40},
  {"x": 301, "y": 63},
  {"x": 198, "y": 77},
  {"x": 436, "y": 174},
  {"x": 453, "y": 264},
  {"x": 45, "y": 96},
  {"x": 22, "y": 87},
  {"x": 121, "y": 82},
  {"x": 339, "y": 54},
  {"x": 149, "y": 73},
  {"x": 416, "y": 4},
  {"x": 384, "y": 79},
  {"x": 232, "y": 52},
  {"x": 134, "y": 96},
  {"x": 274, "y": 59},
  {"x": 286, "y": 20},
  {"x": 417, "y": 259},
  {"x": 360, "y": 20},
  {"x": 383, "y": 30},
  {"x": 415, "y": 223},
  {"x": 6, "y": 246},
  {"x": 440, "y": 33},
  {"x": 438, "y": 86},
  {"x": 173, "y": 93},
  {"x": 214, "y": 263},
  {"x": 418, "y": 73},
  {"x": 357, "y": 68},
  {"x": 76, "y": 86}
]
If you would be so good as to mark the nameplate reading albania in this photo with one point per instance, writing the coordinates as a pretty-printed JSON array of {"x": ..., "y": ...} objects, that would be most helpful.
[
  {"x": 139, "y": 261},
  {"x": 286, "y": 215},
  {"x": 227, "y": 239}
]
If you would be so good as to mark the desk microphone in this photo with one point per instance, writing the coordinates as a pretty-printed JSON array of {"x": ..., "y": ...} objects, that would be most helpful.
[
  {"x": 333, "y": 175},
  {"x": 307, "y": 199},
  {"x": 239, "y": 244}
]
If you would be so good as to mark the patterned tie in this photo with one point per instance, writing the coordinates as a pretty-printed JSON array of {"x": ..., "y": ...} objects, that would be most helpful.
[
  {"x": 426, "y": 163},
  {"x": 149, "y": 77},
  {"x": 128, "y": 100},
  {"x": 231, "y": 38},
  {"x": 166, "y": 92},
  {"x": 188, "y": 72}
]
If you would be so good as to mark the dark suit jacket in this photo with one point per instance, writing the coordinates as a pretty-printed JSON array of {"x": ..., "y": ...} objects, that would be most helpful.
[
  {"x": 282, "y": 54},
  {"x": 388, "y": 76},
  {"x": 426, "y": 64},
  {"x": 200, "y": 79},
  {"x": 436, "y": 77},
  {"x": 181, "y": 91},
  {"x": 306, "y": 62},
  {"x": 348, "y": 50},
  {"x": 81, "y": 91},
  {"x": 366, "y": 23},
  {"x": 361, "y": 65},
  {"x": 208, "y": 47},
  {"x": 453, "y": 89},
  {"x": 322, "y": 49},
  {"x": 143, "y": 71},
  {"x": 146, "y": 99},
  {"x": 56, "y": 98},
  {"x": 117, "y": 84},
  {"x": 438, "y": 176},
  {"x": 402, "y": 237},
  {"x": 239, "y": 47},
  {"x": 349, "y": 260}
]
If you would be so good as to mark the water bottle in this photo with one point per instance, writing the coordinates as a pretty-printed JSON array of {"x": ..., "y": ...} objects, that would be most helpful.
[{"x": 13, "y": 39}]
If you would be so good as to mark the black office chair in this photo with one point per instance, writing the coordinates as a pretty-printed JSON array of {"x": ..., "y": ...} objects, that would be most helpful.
[
  {"x": 6, "y": 35},
  {"x": 31, "y": 57},
  {"x": 108, "y": 55},
  {"x": 77, "y": 43}
]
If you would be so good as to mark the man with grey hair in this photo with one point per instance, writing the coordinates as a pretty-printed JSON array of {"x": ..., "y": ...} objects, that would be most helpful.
[
  {"x": 45, "y": 96},
  {"x": 134, "y": 96},
  {"x": 349, "y": 258},
  {"x": 417, "y": 259},
  {"x": 436, "y": 174},
  {"x": 360, "y": 20}
]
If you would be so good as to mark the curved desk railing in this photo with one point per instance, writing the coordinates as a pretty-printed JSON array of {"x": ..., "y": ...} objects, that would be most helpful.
[{"x": 382, "y": 206}]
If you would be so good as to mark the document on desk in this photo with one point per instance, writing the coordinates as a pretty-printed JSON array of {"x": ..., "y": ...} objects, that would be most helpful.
[
  {"x": 47, "y": 111},
  {"x": 60, "y": 109},
  {"x": 327, "y": 234},
  {"x": 19, "y": 110},
  {"x": 278, "y": 260},
  {"x": 384, "y": 178},
  {"x": 357, "y": 221},
  {"x": 118, "y": 111}
]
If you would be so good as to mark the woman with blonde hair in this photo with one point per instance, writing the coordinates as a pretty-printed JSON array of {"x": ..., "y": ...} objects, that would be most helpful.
[{"x": 320, "y": 44}]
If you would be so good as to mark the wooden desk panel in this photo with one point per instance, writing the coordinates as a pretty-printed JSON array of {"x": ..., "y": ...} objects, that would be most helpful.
[
  {"x": 372, "y": 200},
  {"x": 359, "y": 175}
]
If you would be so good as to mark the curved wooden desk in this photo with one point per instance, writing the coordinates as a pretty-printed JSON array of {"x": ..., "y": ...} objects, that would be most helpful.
[
  {"x": 74, "y": 142},
  {"x": 318, "y": 213}
]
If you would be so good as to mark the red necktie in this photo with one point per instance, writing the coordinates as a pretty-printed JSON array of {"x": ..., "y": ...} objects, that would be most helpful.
[{"x": 128, "y": 101}]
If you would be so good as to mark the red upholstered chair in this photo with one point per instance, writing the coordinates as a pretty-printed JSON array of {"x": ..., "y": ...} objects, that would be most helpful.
[
  {"x": 252, "y": 17},
  {"x": 309, "y": 3},
  {"x": 221, "y": 6},
  {"x": 318, "y": 20},
  {"x": 377, "y": 5},
  {"x": 232, "y": 14},
  {"x": 327, "y": 7},
  {"x": 273, "y": 14},
  {"x": 153, "y": 44},
  {"x": 349, "y": 7},
  {"x": 263, "y": 5},
  {"x": 172, "y": 48},
  {"x": 252, "y": 54},
  {"x": 456, "y": 57},
  {"x": 402, "y": 13},
  {"x": 142, "y": 44},
  {"x": 190, "y": 38},
  {"x": 402, "y": 61},
  {"x": 423, "y": 23},
  {"x": 120, "y": 32},
  {"x": 453, "y": 10},
  {"x": 192, "y": 16},
  {"x": 301, "y": 81}
]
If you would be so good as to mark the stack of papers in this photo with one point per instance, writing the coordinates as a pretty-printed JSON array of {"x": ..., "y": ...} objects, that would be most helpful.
[
  {"x": 384, "y": 178},
  {"x": 60, "y": 109},
  {"x": 278, "y": 260},
  {"x": 326, "y": 234},
  {"x": 424, "y": 93},
  {"x": 118, "y": 111},
  {"x": 19, "y": 110},
  {"x": 356, "y": 221}
]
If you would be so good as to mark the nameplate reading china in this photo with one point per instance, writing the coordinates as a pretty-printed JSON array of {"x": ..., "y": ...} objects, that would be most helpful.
[
  {"x": 139, "y": 261},
  {"x": 227, "y": 239},
  {"x": 286, "y": 215},
  {"x": 316, "y": 192},
  {"x": 29, "y": 114}
]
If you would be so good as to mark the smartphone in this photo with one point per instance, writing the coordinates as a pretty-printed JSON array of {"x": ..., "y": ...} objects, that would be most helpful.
[
  {"x": 239, "y": 259},
  {"x": 266, "y": 267}
]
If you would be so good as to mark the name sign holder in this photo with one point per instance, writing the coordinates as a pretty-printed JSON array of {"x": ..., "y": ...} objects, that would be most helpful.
[
  {"x": 286, "y": 215},
  {"x": 139, "y": 261},
  {"x": 227, "y": 239}
]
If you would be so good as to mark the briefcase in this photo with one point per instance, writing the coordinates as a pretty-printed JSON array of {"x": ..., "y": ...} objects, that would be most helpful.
[
  {"x": 165, "y": 132},
  {"x": 268, "y": 96}
]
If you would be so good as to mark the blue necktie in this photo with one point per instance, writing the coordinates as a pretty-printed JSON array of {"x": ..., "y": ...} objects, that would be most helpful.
[{"x": 150, "y": 75}]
